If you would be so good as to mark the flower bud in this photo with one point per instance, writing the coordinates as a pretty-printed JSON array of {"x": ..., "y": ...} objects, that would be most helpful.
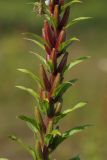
[
  {"x": 43, "y": 95},
  {"x": 56, "y": 15},
  {"x": 62, "y": 63},
  {"x": 45, "y": 79},
  {"x": 54, "y": 57},
  {"x": 39, "y": 120},
  {"x": 60, "y": 39},
  {"x": 65, "y": 18},
  {"x": 55, "y": 83},
  {"x": 48, "y": 33},
  {"x": 49, "y": 127},
  {"x": 58, "y": 108}
]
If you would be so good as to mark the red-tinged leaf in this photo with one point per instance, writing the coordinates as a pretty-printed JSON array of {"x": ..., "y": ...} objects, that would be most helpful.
[
  {"x": 45, "y": 79},
  {"x": 60, "y": 39},
  {"x": 65, "y": 18},
  {"x": 63, "y": 63},
  {"x": 56, "y": 15},
  {"x": 55, "y": 83},
  {"x": 54, "y": 58},
  {"x": 48, "y": 33},
  {"x": 39, "y": 120}
]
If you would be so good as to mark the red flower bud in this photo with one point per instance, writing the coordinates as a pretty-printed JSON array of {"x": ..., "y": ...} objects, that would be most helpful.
[
  {"x": 55, "y": 83},
  {"x": 54, "y": 56},
  {"x": 62, "y": 63},
  {"x": 56, "y": 14},
  {"x": 45, "y": 79},
  {"x": 60, "y": 39},
  {"x": 48, "y": 33},
  {"x": 65, "y": 18}
]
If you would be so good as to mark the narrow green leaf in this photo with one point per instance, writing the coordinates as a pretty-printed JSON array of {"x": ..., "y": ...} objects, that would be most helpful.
[
  {"x": 76, "y": 62},
  {"x": 44, "y": 106},
  {"x": 72, "y": 131},
  {"x": 30, "y": 91},
  {"x": 69, "y": 4},
  {"x": 76, "y": 20},
  {"x": 26, "y": 147},
  {"x": 59, "y": 139},
  {"x": 35, "y": 36},
  {"x": 35, "y": 42},
  {"x": 66, "y": 44},
  {"x": 63, "y": 87},
  {"x": 32, "y": 75},
  {"x": 66, "y": 112},
  {"x": 49, "y": 138},
  {"x": 31, "y": 122},
  {"x": 42, "y": 59}
]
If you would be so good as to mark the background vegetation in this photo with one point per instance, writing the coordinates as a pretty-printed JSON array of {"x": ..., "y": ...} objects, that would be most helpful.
[{"x": 17, "y": 17}]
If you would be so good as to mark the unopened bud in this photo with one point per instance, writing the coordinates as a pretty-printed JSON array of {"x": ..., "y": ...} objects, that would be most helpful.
[
  {"x": 39, "y": 119},
  {"x": 45, "y": 79},
  {"x": 58, "y": 108},
  {"x": 55, "y": 83},
  {"x": 56, "y": 14},
  {"x": 50, "y": 127},
  {"x": 65, "y": 18},
  {"x": 62, "y": 63},
  {"x": 60, "y": 39}
]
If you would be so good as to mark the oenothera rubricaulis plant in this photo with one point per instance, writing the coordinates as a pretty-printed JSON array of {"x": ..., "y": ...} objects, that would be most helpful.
[{"x": 48, "y": 112}]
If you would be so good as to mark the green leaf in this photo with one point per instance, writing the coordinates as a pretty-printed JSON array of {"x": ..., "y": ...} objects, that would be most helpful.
[
  {"x": 44, "y": 106},
  {"x": 63, "y": 87},
  {"x": 66, "y": 112},
  {"x": 59, "y": 139},
  {"x": 69, "y": 4},
  {"x": 32, "y": 75},
  {"x": 75, "y": 158},
  {"x": 36, "y": 36},
  {"x": 35, "y": 42},
  {"x": 76, "y": 62},
  {"x": 76, "y": 20},
  {"x": 72, "y": 131},
  {"x": 42, "y": 59},
  {"x": 30, "y": 91},
  {"x": 26, "y": 147},
  {"x": 65, "y": 44},
  {"x": 49, "y": 138},
  {"x": 31, "y": 122}
]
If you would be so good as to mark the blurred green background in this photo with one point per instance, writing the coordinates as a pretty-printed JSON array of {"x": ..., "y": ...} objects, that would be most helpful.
[{"x": 17, "y": 17}]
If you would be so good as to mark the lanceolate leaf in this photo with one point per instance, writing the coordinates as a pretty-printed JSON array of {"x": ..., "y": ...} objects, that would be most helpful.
[
  {"x": 30, "y": 91},
  {"x": 65, "y": 44},
  {"x": 76, "y": 62},
  {"x": 76, "y": 20},
  {"x": 60, "y": 138},
  {"x": 36, "y": 37},
  {"x": 31, "y": 122},
  {"x": 63, "y": 87},
  {"x": 32, "y": 75},
  {"x": 26, "y": 147},
  {"x": 42, "y": 59},
  {"x": 35, "y": 42},
  {"x": 72, "y": 131},
  {"x": 69, "y": 4},
  {"x": 66, "y": 112}
]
